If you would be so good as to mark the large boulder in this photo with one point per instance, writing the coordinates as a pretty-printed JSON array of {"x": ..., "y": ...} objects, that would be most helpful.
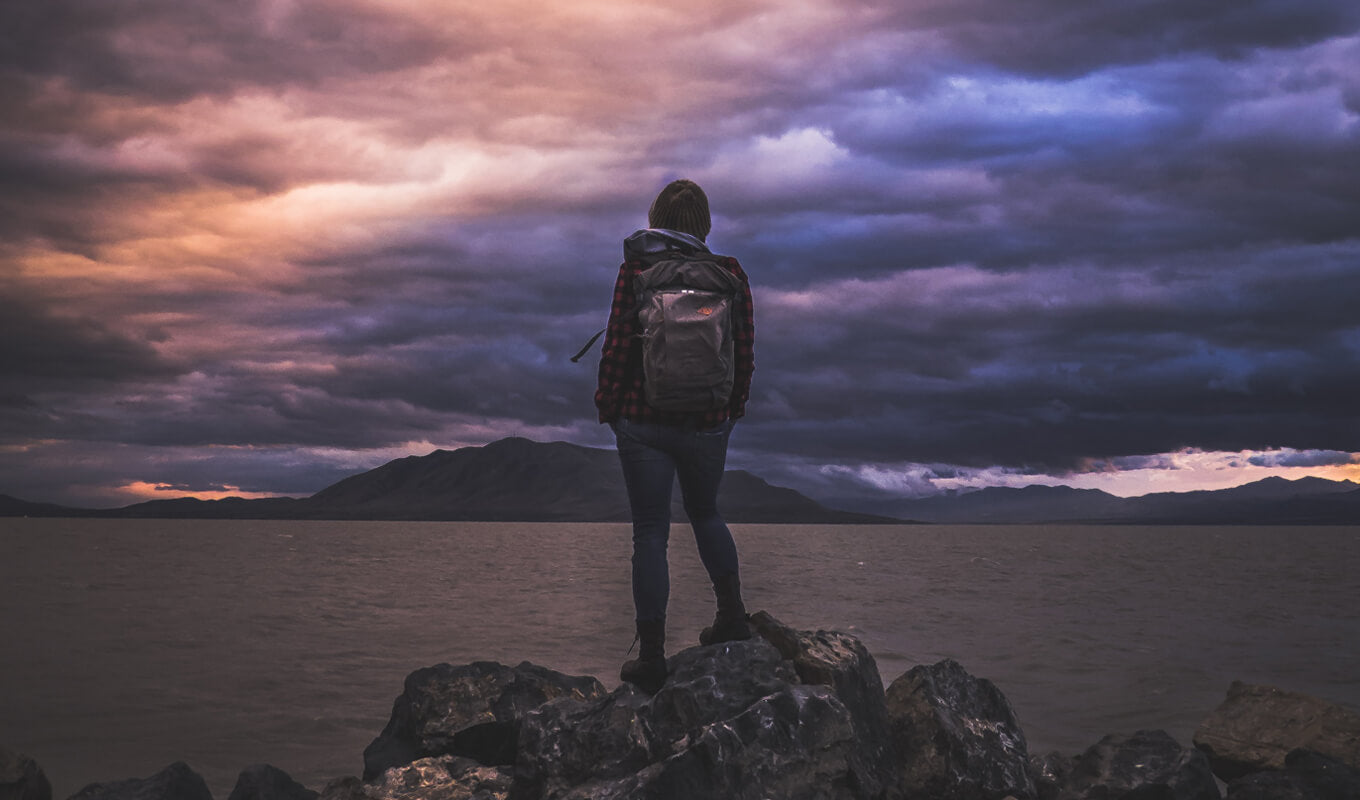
[
  {"x": 956, "y": 736},
  {"x": 175, "y": 782},
  {"x": 21, "y": 778},
  {"x": 1256, "y": 726},
  {"x": 1149, "y": 765},
  {"x": 473, "y": 711},
  {"x": 1306, "y": 776},
  {"x": 267, "y": 782},
  {"x": 732, "y": 721}
]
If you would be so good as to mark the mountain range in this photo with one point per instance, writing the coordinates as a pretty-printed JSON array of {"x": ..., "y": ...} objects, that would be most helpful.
[
  {"x": 517, "y": 479},
  {"x": 1270, "y": 501},
  {"x": 512, "y": 479}
]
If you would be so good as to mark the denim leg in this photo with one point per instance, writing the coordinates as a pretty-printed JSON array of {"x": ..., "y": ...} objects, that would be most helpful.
[
  {"x": 700, "y": 464},
  {"x": 649, "y": 474}
]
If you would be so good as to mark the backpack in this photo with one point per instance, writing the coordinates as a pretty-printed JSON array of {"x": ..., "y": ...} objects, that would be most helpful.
[{"x": 685, "y": 316}]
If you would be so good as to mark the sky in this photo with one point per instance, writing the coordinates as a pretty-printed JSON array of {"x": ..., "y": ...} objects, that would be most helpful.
[{"x": 253, "y": 248}]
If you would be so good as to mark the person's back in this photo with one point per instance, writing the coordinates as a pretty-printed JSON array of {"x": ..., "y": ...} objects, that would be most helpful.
[{"x": 689, "y": 441}]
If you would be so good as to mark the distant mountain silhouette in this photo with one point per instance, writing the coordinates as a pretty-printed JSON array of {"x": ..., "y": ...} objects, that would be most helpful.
[
  {"x": 14, "y": 507},
  {"x": 512, "y": 479},
  {"x": 1008, "y": 505},
  {"x": 517, "y": 479},
  {"x": 1271, "y": 501}
]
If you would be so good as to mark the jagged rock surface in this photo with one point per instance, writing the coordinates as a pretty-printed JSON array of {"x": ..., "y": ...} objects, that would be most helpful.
[
  {"x": 956, "y": 736},
  {"x": 175, "y": 782},
  {"x": 1256, "y": 727},
  {"x": 472, "y": 711},
  {"x": 1271, "y": 786},
  {"x": 731, "y": 721},
  {"x": 266, "y": 782},
  {"x": 21, "y": 778},
  {"x": 842, "y": 663},
  {"x": 1149, "y": 765},
  {"x": 1306, "y": 776}
]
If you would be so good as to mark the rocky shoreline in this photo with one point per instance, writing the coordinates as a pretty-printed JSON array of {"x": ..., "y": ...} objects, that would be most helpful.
[{"x": 789, "y": 714}]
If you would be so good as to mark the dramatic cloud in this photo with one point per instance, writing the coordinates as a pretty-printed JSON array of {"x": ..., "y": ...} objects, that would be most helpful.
[{"x": 263, "y": 246}]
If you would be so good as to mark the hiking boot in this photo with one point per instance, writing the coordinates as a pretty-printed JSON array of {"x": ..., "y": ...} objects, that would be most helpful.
[
  {"x": 729, "y": 625},
  {"x": 648, "y": 670}
]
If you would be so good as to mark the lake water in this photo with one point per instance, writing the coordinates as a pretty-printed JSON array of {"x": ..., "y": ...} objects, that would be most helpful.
[{"x": 127, "y": 645}]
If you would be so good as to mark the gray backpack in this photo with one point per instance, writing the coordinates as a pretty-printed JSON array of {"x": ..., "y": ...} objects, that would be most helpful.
[{"x": 685, "y": 316}]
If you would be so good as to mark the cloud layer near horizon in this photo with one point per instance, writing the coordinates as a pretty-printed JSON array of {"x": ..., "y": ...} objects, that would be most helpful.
[{"x": 261, "y": 247}]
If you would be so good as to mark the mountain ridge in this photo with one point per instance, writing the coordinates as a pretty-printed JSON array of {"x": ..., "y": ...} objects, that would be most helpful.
[
  {"x": 1270, "y": 501},
  {"x": 508, "y": 480},
  {"x": 520, "y": 480}
]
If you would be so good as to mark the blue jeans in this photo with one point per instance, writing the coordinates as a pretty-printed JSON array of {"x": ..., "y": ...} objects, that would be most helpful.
[{"x": 653, "y": 456}]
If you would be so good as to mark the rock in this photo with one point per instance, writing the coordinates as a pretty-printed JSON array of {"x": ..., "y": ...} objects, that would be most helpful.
[
  {"x": 1306, "y": 776},
  {"x": 956, "y": 736},
  {"x": 472, "y": 711},
  {"x": 842, "y": 663},
  {"x": 435, "y": 778},
  {"x": 1049, "y": 774},
  {"x": 734, "y": 720},
  {"x": 1271, "y": 786},
  {"x": 265, "y": 782},
  {"x": 797, "y": 743},
  {"x": 175, "y": 782},
  {"x": 567, "y": 743},
  {"x": 444, "y": 778},
  {"x": 1149, "y": 765},
  {"x": 21, "y": 778},
  {"x": 1329, "y": 777},
  {"x": 1257, "y": 726},
  {"x": 347, "y": 788}
]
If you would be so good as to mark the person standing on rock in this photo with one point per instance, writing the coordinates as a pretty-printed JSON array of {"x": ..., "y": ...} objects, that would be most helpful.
[{"x": 662, "y": 432}]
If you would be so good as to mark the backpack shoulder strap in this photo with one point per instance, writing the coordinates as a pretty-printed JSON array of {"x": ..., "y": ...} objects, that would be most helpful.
[{"x": 581, "y": 353}]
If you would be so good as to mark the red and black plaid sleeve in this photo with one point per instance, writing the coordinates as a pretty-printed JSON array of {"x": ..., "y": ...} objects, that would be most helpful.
[{"x": 618, "y": 346}]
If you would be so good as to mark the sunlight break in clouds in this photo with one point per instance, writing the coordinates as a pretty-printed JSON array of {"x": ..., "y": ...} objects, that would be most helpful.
[
  {"x": 1184, "y": 471},
  {"x": 139, "y": 491}
]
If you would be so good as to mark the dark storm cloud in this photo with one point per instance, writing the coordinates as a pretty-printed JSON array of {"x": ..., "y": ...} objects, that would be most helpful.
[
  {"x": 172, "y": 51},
  {"x": 1056, "y": 38},
  {"x": 44, "y": 348},
  {"x": 1114, "y": 174}
]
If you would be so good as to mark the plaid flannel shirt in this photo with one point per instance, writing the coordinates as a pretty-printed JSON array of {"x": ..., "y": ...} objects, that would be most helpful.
[{"x": 620, "y": 394}]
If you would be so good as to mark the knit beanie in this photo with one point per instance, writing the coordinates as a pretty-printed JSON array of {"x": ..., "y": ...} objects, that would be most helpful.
[{"x": 682, "y": 206}]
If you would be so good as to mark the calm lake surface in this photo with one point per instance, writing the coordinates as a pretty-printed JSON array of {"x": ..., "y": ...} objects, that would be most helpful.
[{"x": 126, "y": 645}]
